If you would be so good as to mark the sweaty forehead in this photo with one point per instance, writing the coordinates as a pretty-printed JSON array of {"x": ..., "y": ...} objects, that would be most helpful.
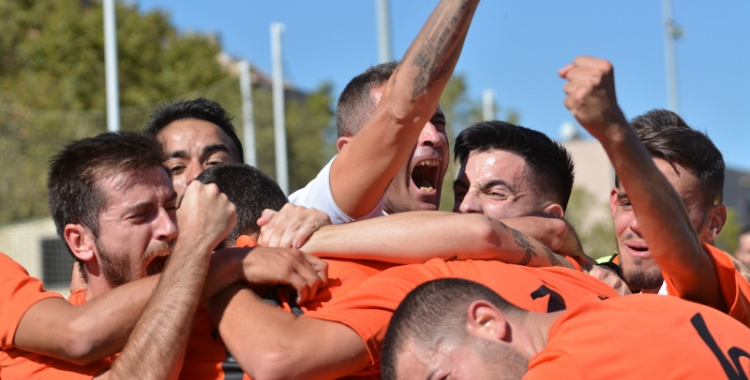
[{"x": 495, "y": 165}]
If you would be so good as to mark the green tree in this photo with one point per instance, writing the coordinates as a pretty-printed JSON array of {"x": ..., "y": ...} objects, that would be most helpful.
[
  {"x": 52, "y": 90},
  {"x": 728, "y": 238},
  {"x": 597, "y": 236}
]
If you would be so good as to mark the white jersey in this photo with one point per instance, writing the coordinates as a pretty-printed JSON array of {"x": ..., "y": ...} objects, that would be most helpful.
[{"x": 317, "y": 194}]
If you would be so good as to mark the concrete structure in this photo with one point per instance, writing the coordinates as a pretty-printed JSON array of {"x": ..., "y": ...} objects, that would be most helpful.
[{"x": 34, "y": 244}]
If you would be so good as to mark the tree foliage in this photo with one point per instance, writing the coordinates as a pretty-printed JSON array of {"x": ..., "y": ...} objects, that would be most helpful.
[
  {"x": 597, "y": 235},
  {"x": 728, "y": 239},
  {"x": 52, "y": 90}
]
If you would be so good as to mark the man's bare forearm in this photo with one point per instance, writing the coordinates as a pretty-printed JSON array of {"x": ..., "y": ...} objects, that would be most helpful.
[
  {"x": 100, "y": 327},
  {"x": 270, "y": 343},
  {"x": 662, "y": 216},
  {"x": 157, "y": 346},
  {"x": 663, "y": 220},
  {"x": 415, "y": 237}
]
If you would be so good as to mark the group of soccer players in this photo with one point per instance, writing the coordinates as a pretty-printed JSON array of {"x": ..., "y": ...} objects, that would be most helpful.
[{"x": 193, "y": 265}]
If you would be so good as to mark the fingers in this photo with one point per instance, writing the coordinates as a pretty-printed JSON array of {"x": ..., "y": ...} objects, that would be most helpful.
[
  {"x": 273, "y": 266},
  {"x": 591, "y": 94},
  {"x": 319, "y": 265},
  {"x": 291, "y": 226},
  {"x": 205, "y": 213},
  {"x": 266, "y": 217}
]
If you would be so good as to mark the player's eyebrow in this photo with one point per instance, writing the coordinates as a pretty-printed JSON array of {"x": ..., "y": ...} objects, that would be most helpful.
[
  {"x": 208, "y": 149},
  {"x": 496, "y": 182},
  {"x": 177, "y": 154}
]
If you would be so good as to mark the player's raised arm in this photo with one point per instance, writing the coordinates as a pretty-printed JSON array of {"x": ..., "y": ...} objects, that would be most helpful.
[
  {"x": 367, "y": 164},
  {"x": 662, "y": 217}
]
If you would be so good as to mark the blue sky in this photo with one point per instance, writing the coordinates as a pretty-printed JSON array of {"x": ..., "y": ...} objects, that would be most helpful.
[{"x": 515, "y": 48}]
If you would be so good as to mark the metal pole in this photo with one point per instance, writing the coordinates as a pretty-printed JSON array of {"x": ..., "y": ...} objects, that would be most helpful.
[
  {"x": 488, "y": 105},
  {"x": 282, "y": 170},
  {"x": 248, "y": 124},
  {"x": 384, "y": 31},
  {"x": 110, "y": 66},
  {"x": 671, "y": 33}
]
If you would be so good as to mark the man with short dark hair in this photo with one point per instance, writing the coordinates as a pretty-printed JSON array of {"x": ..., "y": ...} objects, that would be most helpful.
[
  {"x": 114, "y": 206},
  {"x": 459, "y": 329},
  {"x": 537, "y": 173},
  {"x": 195, "y": 134},
  {"x": 393, "y": 148},
  {"x": 672, "y": 176}
]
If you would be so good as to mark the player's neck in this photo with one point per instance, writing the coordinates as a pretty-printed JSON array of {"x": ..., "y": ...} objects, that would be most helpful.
[
  {"x": 96, "y": 286},
  {"x": 537, "y": 327}
]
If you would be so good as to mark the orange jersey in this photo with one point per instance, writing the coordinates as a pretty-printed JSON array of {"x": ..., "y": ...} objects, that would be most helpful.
[
  {"x": 206, "y": 357},
  {"x": 343, "y": 277},
  {"x": 204, "y": 349},
  {"x": 734, "y": 288},
  {"x": 17, "y": 364},
  {"x": 368, "y": 309},
  {"x": 643, "y": 336},
  {"x": 18, "y": 292}
]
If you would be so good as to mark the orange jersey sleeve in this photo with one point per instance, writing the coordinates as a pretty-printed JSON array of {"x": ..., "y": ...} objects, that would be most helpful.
[
  {"x": 734, "y": 288},
  {"x": 17, "y": 364},
  {"x": 368, "y": 309},
  {"x": 18, "y": 292},
  {"x": 643, "y": 336}
]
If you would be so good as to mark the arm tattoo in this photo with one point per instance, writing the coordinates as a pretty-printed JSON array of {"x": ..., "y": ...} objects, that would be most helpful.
[
  {"x": 501, "y": 224},
  {"x": 441, "y": 49},
  {"x": 555, "y": 259},
  {"x": 521, "y": 241}
]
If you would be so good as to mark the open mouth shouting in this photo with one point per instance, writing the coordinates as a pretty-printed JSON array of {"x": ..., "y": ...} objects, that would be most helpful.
[
  {"x": 425, "y": 175},
  {"x": 157, "y": 261}
]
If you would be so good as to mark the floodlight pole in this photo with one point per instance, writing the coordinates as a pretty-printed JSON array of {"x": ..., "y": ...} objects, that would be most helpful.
[
  {"x": 248, "y": 124},
  {"x": 110, "y": 66},
  {"x": 671, "y": 33},
  {"x": 384, "y": 31},
  {"x": 488, "y": 105},
  {"x": 282, "y": 169}
]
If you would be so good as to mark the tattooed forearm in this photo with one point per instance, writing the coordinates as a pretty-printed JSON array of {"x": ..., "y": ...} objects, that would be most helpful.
[
  {"x": 521, "y": 241},
  {"x": 555, "y": 259},
  {"x": 501, "y": 224},
  {"x": 440, "y": 43}
]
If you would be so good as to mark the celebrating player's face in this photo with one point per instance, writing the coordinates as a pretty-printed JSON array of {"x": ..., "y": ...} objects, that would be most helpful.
[
  {"x": 638, "y": 267},
  {"x": 192, "y": 146},
  {"x": 137, "y": 227},
  {"x": 495, "y": 183},
  {"x": 419, "y": 183}
]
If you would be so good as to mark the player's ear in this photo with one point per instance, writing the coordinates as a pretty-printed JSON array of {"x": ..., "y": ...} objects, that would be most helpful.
[
  {"x": 613, "y": 202},
  {"x": 341, "y": 141},
  {"x": 81, "y": 241},
  {"x": 716, "y": 223},
  {"x": 485, "y": 321},
  {"x": 555, "y": 210}
]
